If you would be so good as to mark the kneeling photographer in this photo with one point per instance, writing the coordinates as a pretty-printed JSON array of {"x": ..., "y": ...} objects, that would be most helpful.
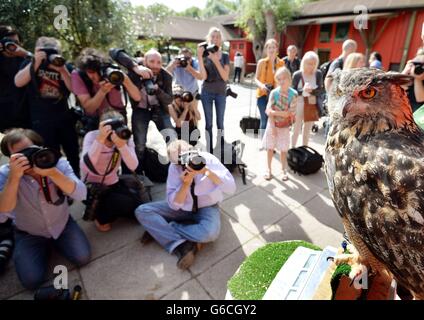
[
  {"x": 185, "y": 115},
  {"x": 155, "y": 86},
  {"x": 34, "y": 186},
  {"x": 48, "y": 82},
  {"x": 110, "y": 196},
  {"x": 190, "y": 215},
  {"x": 97, "y": 84}
]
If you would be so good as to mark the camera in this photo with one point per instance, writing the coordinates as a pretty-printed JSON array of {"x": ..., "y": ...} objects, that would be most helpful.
[
  {"x": 43, "y": 158},
  {"x": 120, "y": 128},
  {"x": 94, "y": 192},
  {"x": 12, "y": 45},
  {"x": 269, "y": 86},
  {"x": 192, "y": 159},
  {"x": 183, "y": 61},
  {"x": 230, "y": 92},
  {"x": 212, "y": 48},
  {"x": 419, "y": 68},
  {"x": 112, "y": 74},
  {"x": 150, "y": 87},
  {"x": 186, "y": 96},
  {"x": 53, "y": 57}
]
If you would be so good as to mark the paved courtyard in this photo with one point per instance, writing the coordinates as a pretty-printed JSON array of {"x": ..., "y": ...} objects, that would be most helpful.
[{"x": 258, "y": 213}]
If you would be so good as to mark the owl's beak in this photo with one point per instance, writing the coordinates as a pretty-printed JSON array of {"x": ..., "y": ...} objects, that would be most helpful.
[{"x": 396, "y": 78}]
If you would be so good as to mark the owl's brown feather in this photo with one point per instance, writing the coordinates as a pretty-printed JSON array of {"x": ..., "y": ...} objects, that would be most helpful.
[{"x": 375, "y": 170}]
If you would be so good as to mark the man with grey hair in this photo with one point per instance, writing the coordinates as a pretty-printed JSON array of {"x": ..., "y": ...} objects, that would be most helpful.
[
  {"x": 349, "y": 46},
  {"x": 291, "y": 61}
]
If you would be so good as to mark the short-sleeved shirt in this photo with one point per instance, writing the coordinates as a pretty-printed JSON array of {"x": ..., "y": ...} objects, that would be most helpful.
[
  {"x": 47, "y": 94},
  {"x": 293, "y": 66},
  {"x": 214, "y": 83},
  {"x": 336, "y": 64},
  {"x": 113, "y": 98},
  {"x": 185, "y": 79},
  {"x": 415, "y": 105}
]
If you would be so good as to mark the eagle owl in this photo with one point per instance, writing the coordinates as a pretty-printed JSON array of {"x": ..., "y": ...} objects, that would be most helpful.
[{"x": 374, "y": 163}]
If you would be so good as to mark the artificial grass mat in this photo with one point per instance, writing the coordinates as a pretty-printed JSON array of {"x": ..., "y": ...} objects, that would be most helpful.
[{"x": 260, "y": 268}]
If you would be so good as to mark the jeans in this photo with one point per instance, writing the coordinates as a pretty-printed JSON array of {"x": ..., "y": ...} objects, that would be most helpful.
[
  {"x": 262, "y": 103},
  {"x": 168, "y": 228},
  {"x": 140, "y": 125},
  {"x": 31, "y": 253},
  {"x": 60, "y": 133},
  {"x": 208, "y": 99},
  {"x": 237, "y": 74}
]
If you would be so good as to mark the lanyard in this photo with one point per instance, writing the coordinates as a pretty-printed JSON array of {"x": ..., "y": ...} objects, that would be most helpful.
[{"x": 46, "y": 191}]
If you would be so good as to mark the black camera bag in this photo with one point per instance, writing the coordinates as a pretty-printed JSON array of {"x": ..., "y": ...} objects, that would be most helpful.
[{"x": 304, "y": 160}]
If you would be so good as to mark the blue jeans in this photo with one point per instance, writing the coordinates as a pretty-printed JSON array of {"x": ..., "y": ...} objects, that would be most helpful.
[
  {"x": 168, "y": 228},
  {"x": 32, "y": 252},
  {"x": 140, "y": 125},
  {"x": 207, "y": 101},
  {"x": 262, "y": 103}
]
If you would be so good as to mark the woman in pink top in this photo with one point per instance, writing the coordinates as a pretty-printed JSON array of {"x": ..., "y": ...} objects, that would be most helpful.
[{"x": 103, "y": 151}]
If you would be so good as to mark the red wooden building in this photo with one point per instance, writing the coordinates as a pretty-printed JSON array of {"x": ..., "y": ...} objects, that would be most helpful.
[{"x": 393, "y": 29}]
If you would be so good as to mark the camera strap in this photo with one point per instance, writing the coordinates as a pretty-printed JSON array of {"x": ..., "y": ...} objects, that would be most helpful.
[
  {"x": 46, "y": 191},
  {"x": 111, "y": 166}
]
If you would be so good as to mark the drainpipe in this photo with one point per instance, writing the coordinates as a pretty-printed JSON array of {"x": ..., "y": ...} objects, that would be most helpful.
[{"x": 408, "y": 40}]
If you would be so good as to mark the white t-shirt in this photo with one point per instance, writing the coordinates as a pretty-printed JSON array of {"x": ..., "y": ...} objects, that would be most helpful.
[{"x": 238, "y": 61}]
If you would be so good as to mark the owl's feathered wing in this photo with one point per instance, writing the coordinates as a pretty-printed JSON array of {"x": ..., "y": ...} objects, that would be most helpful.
[{"x": 377, "y": 185}]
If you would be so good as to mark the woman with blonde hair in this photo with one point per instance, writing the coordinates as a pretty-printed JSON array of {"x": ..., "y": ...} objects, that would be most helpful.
[
  {"x": 265, "y": 78},
  {"x": 354, "y": 60},
  {"x": 215, "y": 70},
  {"x": 309, "y": 85}
]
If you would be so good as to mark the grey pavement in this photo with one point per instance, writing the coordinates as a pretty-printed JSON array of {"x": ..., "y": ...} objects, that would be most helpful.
[{"x": 258, "y": 213}]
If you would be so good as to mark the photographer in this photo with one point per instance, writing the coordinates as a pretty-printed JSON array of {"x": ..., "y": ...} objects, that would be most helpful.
[
  {"x": 48, "y": 83},
  {"x": 185, "y": 115},
  {"x": 13, "y": 107},
  {"x": 190, "y": 214},
  {"x": 215, "y": 70},
  {"x": 93, "y": 88},
  {"x": 415, "y": 68},
  {"x": 265, "y": 79},
  {"x": 37, "y": 199},
  {"x": 155, "y": 86},
  {"x": 102, "y": 153}
]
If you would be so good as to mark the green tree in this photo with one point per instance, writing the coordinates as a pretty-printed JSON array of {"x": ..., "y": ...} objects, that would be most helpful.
[
  {"x": 219, "y": 7},
  {"x": 264, "y": 18},
  {"x": 192, "y": 12},
  {"x": 92, "y": 23}
]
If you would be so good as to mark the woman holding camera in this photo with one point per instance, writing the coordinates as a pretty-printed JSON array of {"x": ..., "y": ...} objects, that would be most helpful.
[
  {"x": 415, "y": 91},
  {"x": 215, "y": 69},
  {"x": 185, "y": 115},
  {"x": 103, "y": 151},
  {"x": 265, "y": 78}
]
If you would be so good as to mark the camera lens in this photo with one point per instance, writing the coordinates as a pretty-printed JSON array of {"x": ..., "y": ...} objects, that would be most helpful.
[
  {"x": 123, "y": 132},
  {"x": 11, "y": 46},
  {"x": 183, "y": 63},
  {"x": 197, "y": 162},
  {"x": 150, "y": 87},
  {"x": 57, "y": 60},
  {"x": 419, "y": 69},
  {"x": 45, "y": 158},
  {"x": 187, "y": 97},
  {"x": 114, "y": 76}
]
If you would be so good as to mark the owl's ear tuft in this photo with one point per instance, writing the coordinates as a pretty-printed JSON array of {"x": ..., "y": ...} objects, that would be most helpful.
[{"x": 396, "y": 78}]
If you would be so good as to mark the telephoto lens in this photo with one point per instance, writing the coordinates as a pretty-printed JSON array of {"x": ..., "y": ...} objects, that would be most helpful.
[
  {"x": 192, "y": 159},
  {"x": 150, "y": 87},
  {"x": 43, "y": 158},
  {"x": 187, "y": 96},
  {"x": 54, "y": 57},
  {"x": 51, "y": 293},
  {"x": 113, "y": 75}
]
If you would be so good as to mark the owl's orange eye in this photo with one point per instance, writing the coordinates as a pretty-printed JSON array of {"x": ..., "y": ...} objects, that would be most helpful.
[{"x": 368, "y": 93}]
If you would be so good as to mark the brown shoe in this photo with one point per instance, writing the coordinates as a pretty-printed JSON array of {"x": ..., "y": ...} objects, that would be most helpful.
[
  {"x": 146, "y": 238},
  {"x": 103, "y": 227},
  {"x": 185, "y": 253}
]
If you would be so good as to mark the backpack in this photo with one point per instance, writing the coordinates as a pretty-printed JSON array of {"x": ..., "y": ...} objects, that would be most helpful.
[
  {"x": 237, "y": 148},
  {"x": 153, "y": 167},
  {"x": 324, "y": 68},
  {"x": 304, "y": 160}
]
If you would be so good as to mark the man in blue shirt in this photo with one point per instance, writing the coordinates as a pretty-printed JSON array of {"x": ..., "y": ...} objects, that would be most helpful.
[{"x": 36, "y": 200}]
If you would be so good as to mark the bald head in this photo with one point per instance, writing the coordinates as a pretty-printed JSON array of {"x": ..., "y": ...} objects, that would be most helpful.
[
  {"x": 153, "y": 60},
  {"x": 349, "y": 46}
]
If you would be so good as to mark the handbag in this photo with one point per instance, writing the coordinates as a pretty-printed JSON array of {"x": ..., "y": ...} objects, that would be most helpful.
[
  {"x": 310, "y": 110},
  {"x": 282, "y": 103}
]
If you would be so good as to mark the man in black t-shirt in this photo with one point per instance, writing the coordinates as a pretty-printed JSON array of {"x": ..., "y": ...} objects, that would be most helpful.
[
  {"x": 291, "y": 61},
  {"x": 12, "y": 104},
  {"x": 48, "y": 87}
]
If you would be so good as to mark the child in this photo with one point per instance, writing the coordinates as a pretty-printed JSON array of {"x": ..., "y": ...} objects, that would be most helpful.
[
  {"x": 185, "y": 115},
  {"x": 281, "y": 110}
]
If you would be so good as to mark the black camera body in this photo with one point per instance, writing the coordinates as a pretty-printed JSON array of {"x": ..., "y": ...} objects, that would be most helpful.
[
  {"x": 183, "y": 61},
  {"x": 149, "y": 85},
  {"x": 53, "y": 57},
  {"x": 419, "y": 68},
  {"x": 94, "y": 192},
  {"x": 212, "y": 48},
  {"x": 230, "y": 92},
  {"x": 192, "y": 159},
  {"x": 51, "y": 293},
  {"x": 112, "y": 73},
  {"x": 120, "y": 127},
  {"x": 43, "y": 158},
  {"x": 269, "y": 86}
]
